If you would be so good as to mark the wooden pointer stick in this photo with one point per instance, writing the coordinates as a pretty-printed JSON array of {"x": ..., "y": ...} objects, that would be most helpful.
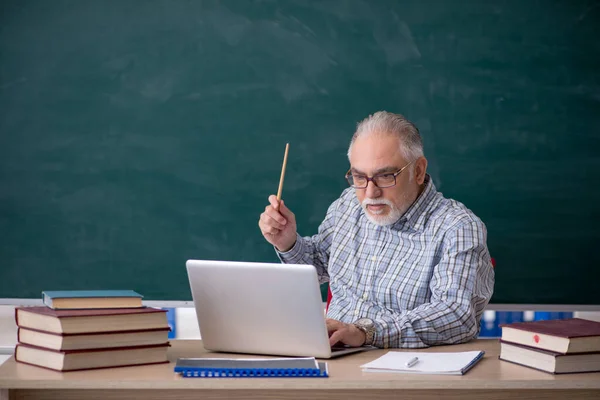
[{"x": 287, "y": 147}]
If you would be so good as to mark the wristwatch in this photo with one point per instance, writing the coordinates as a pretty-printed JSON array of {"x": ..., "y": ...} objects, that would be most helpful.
[{"x": 368, "y": 327}]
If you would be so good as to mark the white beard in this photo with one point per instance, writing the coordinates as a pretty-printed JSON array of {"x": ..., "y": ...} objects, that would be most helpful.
[{"x": 392, "y": 216}]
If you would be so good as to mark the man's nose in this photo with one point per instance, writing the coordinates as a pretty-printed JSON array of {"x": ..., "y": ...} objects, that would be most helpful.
[{"x": 372, "y": 191}]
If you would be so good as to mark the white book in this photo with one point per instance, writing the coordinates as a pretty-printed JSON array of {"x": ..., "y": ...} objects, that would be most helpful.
[{"x": 457, "y": 363}]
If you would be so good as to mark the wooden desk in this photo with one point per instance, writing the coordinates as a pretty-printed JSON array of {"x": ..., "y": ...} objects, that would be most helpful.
[{"x": 489, "y": 379}]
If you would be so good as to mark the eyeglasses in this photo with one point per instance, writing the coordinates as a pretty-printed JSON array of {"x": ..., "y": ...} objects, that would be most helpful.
[{"x": 382, "y": 181}]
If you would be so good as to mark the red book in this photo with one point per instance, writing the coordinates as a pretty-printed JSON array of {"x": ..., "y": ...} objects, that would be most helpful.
[
  {"x": 564, "y": 336},
  {"x": 77, "y": 360},
  {"x": 92, "y": 340},
  {"x": 549, "y": 361},
  {"x": 93, "y": 320}
]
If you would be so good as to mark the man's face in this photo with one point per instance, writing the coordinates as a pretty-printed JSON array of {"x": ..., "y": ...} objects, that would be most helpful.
[{"x": 375, "y": 154}]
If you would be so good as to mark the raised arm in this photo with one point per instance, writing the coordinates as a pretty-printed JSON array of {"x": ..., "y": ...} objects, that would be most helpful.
[{"x": 313, "y": 250}]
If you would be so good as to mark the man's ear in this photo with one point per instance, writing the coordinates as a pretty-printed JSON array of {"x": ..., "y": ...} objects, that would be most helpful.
[{"x": 420, "y": 170}]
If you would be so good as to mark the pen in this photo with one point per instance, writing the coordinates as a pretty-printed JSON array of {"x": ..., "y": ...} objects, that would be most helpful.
[{"x": 412, "y": 362}]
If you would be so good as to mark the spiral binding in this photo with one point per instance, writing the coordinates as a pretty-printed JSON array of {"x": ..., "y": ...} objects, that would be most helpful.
[{"x": 243, "y": 373}]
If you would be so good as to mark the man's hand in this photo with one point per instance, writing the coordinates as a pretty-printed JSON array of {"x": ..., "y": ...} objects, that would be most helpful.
[
  {"x": 278, "y": 225},
  {"x": 340, "y": 332}
]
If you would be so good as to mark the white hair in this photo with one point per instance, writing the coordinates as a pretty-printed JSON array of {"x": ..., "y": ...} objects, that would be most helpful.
[{"x": 383, "y": 122}]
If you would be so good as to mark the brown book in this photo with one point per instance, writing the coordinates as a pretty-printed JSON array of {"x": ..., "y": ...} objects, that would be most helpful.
[
  {"x": 549, "y": 361},
  {"x": 572, "y": 335},
  {"x": 85, "y": 321},
  {"x": 92, "y": 340},
  {"x": 76, "y": 360}
]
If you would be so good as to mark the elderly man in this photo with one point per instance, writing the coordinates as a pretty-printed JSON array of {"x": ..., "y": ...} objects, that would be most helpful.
[{"x": 407, "y": 267}]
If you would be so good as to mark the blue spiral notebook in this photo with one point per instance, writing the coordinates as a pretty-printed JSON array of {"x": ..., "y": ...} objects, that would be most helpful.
[{"x": 241, "y": 368}]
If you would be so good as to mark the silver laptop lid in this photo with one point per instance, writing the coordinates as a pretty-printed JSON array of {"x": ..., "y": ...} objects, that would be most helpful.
[{"x": 259, "y": 308}]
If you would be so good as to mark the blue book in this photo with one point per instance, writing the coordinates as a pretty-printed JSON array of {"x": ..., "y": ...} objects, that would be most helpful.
[
  {"x": 542, "y": 316},
  {"x": 172, "y": 321},
  {"x": 306, "y": 367},
  {"x": 91, "y": 299},
  {"x": 516, "y": 316},
  {"x": 547, "y": 315},
  {"x": 503, "y": 317}
]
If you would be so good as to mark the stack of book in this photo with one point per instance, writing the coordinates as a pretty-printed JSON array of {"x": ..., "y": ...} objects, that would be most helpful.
[
  {"x": 555, "y": 346},
  {"x": 78, "y": 330}
]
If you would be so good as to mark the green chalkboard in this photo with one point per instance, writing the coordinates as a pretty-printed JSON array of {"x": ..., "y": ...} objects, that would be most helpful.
[{"x": 135, "y": 135}]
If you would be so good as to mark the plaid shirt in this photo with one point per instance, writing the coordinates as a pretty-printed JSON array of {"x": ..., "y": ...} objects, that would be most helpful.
[{"x": 424, "y": 280}]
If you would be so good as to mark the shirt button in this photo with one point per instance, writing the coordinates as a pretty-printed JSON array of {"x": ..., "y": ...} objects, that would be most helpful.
[
  {"x": 373, "y": 258},
  {"x": 365, "y": 296},
  {"x": 355, "y": 312}
]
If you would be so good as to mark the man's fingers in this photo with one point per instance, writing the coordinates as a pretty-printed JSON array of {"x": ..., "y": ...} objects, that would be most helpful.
[
  {"x": 333, "y": 325},
  {"x": 269, "y": 230},
  {"x": 280, "y": 208},
  {"x": 336, "y": 337},
  {"x": 285, "y": 211},
  {"x": 275, "y": 215},
  {"x": 329, "y": 324},
  {"x": 268, "y": 221},
  {"x": 273, "y": 201},
  {"x": 332, "y": 322}
]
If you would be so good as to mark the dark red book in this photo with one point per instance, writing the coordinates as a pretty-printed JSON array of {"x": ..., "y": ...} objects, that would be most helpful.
[
  {"x": 92, "y": 320},
  {"x": 564, "y": 336},
  {"x": 549, "y": 361},
  {"x": 77, "y": 360},
  {"x": 92, "y": 340}
]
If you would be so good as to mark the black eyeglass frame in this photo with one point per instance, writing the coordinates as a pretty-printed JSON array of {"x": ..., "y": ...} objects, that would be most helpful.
[{"x": 350, "y": 179}]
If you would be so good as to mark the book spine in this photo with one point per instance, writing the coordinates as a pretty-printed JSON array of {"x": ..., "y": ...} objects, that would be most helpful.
[
  {"x": 171, "y": 320},
  {"x": 245, "y": 373},
  {"x": 96, "y": 350},
  {"x": 46, "y": 301},
  {"x": 93, "y": 368},
  {"x": 121, "y": 332}
]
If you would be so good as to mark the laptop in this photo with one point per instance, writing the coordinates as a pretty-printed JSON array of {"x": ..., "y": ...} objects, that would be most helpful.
[{"x": 261, "y": 308}]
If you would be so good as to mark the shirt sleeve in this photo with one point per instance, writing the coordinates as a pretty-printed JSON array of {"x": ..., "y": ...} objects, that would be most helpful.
[
  {"x": 313, "y": 250},
  {"x": 461, "y": 286}
]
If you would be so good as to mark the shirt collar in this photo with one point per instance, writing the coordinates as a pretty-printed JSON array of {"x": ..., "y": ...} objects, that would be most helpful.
[{"x": 415, "y": 215}]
